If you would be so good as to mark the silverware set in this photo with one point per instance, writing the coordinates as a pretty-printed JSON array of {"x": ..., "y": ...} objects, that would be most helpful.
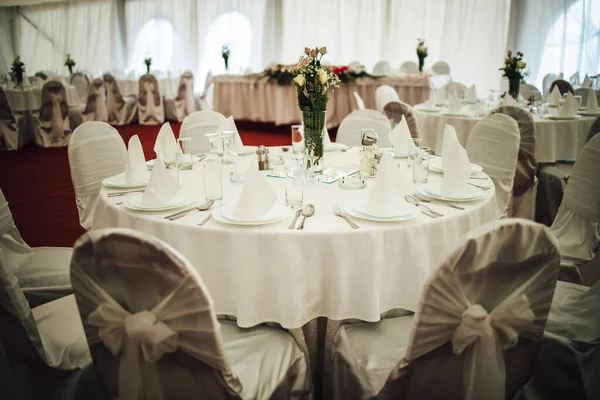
[
  {"x": 306, "y": 212},
  {"x": 338, "y": 213},
  {"x": 117, "y": 194},
  {"x": 424, "y": 209},
  {"x": 183, "y": 213}
]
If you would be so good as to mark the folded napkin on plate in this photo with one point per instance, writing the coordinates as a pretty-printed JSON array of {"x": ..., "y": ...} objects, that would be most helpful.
[
  {"x": 440, "y": 97},
  {"x": 587, "y": 82},
  {"x": 162, "y": 186},
  {"x": 257, "y": 197},
  {"x": 165, "y": 145},
  {"x": 569, "y": 107},
  {"x": 592, "y": 102},
  {"x": 454, "y": 105},
  {"x": 135, "y": 167},
  {"x": 457, "y": 172},
  {"x": 229, "y": 125},
  {"x": 508, "y": 100},
  {"x": 400, "y": 139},
  {"x": 389, "y": 189},
  {"x": 471, "y": 94},
  {"x": 448, "y": 142},
  {"x": 554, "y": 97}
]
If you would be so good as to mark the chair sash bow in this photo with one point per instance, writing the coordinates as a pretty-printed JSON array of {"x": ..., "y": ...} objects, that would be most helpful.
[{"x": 58, "y": 131}]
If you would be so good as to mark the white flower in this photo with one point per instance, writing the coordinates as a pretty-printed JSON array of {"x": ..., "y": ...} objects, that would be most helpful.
[
  {"x": 300, "y": 80},
  {"x": 322, "y": 76}
]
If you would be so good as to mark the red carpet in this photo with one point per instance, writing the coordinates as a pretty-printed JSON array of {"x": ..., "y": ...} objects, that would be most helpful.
[{"x": 37, "y": 182}]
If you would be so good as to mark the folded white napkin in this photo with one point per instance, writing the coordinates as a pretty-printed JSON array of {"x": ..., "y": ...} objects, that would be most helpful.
[
  {"x": 430, "y": 103},
  {"x": 454, "y": 105},
  {"x": 587, "y": 82},
  {"x": 389, "y": 189},
  {"x": 555, "y": 96},
  {"x": 440, "y": 97},
  {"x": 457, "y": 172},
  {"x": 471, "y": 94},
  {"x": 162, "y": 186},
  {"x": 508, "y": 100},
  {"x": 448, "y": 143},
  {"x": 561, "y": 76},
  {"x": 229, "y": 125},
  {"x": 574, "y": 79},
  {"x": 135, "y": 167},
  {"x": 165, "y": 145},
  {"x": 569, "y": 107},
  {"x": 400, "y": 139},
  {"x": 592, "y": 102},
  {"x": 257, "y": 197}
]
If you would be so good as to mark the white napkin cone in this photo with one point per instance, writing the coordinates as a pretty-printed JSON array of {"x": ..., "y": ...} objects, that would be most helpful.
[
  {"x": 400, "y": 139},
  {"x": 508, "y": 100},
  {"x": 454, "y": 105},
  {"x": 448, "y": 143},
  {"x": 456, "y": 173},
  {"x": 430, "y": 103},
  {"x": 555, "y": 96},
  {"x": 165, "y": 145},
  {"x": 471, "y": 95},
  {"x": 561, "y": 76},
  {"x": 440, "y": 97},
  {"x": 592, "y": 102},
  {"x": 388, "y": 191},
  {"x": 256, "y": 199},
  {"x": 569, "y": 107},
  {"x": 162, "y": 186},
  {"x": 229, "y": 125},
  {"x": 135, "y": 167},
  {"x": 587, "y": 82}
]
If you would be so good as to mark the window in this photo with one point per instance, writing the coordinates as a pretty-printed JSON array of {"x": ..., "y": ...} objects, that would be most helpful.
[
  {"x": 157, "y": 39},
  {"x": 232, "y": 29},
  {"x": 573, "y": 42}
]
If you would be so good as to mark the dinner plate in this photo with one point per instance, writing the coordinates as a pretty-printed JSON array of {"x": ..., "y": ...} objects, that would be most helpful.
[
  {"x": 118, "y": 181},
  {"x": 559, "y": 118},
  {"x": 244, "y": 151},
  {"x": 413, "y": 212},
  {"x": 434, "y": 190},
  {"x": 435, "y": 164},
  {"x": 428, "y": 109},
  {"x": 180, "y": 200},
  {"x": 449, "y": 114},
  {"x": 275, "y": 214},
  {"x": 334, "y": 147},
  {"x": 401, "y": 211},
  {"x": 589, "y": 114}
]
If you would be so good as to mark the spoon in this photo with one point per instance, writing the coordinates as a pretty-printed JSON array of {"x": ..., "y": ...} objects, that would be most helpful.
[
  {"x": 307, "y": 211},
  {"x": 293, "y": 224}
]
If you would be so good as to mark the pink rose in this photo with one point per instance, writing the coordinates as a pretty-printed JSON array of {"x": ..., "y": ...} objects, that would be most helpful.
[
  {"x": 323, "y": 50},
  {"x": 313, "y": 53},
  {"x": 306, "y": 51},
  {"x": 304, "y": 62}
]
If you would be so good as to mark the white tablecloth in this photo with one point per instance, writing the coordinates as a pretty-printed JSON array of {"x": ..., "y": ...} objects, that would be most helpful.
[
  {"x": 270, "y": 273},
  {"x": 554, "y": 140},
  {"x": 30, "y": 98},
  {"x": 167, "y": 86},
  {"x": 248, "y": 98}
]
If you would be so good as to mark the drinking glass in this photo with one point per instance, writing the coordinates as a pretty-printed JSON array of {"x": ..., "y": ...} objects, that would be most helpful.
[
  {"x": 421, "y": 164},
  {"x": 229, "y": 154},
  {"x": 413, "y": 143},
  {"x": 294, "y": 186},
  {"x": 213, "y": 170},
  {"x": 185, "y": 155},
  {"x": 297, "y": 139},
  {"x": 578, "y": 98},
  {"x": 171, "y": 162}
]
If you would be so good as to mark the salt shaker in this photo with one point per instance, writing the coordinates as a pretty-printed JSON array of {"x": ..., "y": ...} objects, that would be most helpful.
[
  {"x": 367, "y": 152},
  {"x": 262, "y": 155}
]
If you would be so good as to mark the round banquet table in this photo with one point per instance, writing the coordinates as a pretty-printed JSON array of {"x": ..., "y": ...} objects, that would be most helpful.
[
  {"x": 272, "y": 274},
  {"x": 30, "y": 98},
  {"x": 167, "y": 86},
  {"x": 555, "y": 140}
]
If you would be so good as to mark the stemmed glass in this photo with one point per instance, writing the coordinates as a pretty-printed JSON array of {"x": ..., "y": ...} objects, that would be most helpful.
[
  {"x": 230, "y": 156},
  {"x": 213, "y": 183}
]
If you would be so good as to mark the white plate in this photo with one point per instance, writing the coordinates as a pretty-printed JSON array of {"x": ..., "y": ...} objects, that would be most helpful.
[
  {"x": 588, "y": 114},
  {"x": 559, "y": 118},
  {"x": 244, "y": 151},
  {"x": 414, "y": 213},
  {"x": 402, "y": 211},
  {"x": 458, "y": 114},
  {"x": 118, "y": 181},
  {"x": 334, "y": 147},
  {"x": 181, "y": 200},
  {"x": 276, "y": 213},
  {"x": 427, "y": 109},
  {"x": 434, "y": 190},
  {"x": 435, "y": 164}
]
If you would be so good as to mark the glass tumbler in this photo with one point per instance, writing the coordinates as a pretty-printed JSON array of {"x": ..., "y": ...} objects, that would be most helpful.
[
  {"x": 294, "y": 186},
  {"x": 213, "y": 170},
  {"x": 421, "y": 164},
  {"x": 185, "y": 153},
  {"x": 297, "y": 139},
  {"x": 413, "y": 144}
]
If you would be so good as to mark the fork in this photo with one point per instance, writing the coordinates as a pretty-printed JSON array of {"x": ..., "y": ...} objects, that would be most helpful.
[
  {"x": 205, "y": 220},
  {"x": 338, "y": 213},
  {"x": 478, "y": 186},
  {"x": 440, "y": 202},
  {"x": 117, "y": 194},
  {"x": 416, "y": 202}
]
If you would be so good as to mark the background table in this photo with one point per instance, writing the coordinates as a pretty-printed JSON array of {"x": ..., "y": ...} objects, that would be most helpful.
[
  {"x": 167, "y": 86},
  {"x": 555, "y": 140},
  {"x": 30, "y": 98},
  {"x": 253, "y": 99}
]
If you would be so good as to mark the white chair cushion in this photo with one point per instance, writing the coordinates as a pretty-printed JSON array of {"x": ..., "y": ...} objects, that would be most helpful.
[{"x": 45, "y": 275}]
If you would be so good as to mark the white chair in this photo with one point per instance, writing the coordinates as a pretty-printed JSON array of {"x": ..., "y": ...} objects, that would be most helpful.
[
  {"x": 383, "y": 95},
  {"x": 576, "y": 226},
  {"x": 546, "y": 82},
  {"x": 382, "y": 68},
  {"x": 121, "y": 110},
  {"x": 151, "y": 109},
  {"x": 96, "y": 152},
  {"x": 13, "y": 134},
  {"x": 199, "y": 123},
  {"x": 395, "y": 110},
  {"x": 54, "y": 125},
  {"x": 349, "y": 131},
  {"x": 82, "y": 84},
  {"x": 158, "y": 329},
  {"x": 494, "y": 144},
  {"x": 184, "y": 104},
  {"x": 584, "y": 93},
  {"x": 457, "y": 87},
  {"x": 95, "y": 106},
  {"x": 359, "y": 101},
  {"x": 441, "y": 68},
  {"x": 527, "y": 91},
  {"x": 574, "y": 79},
  {"x": 476, "y": 332},
  {"x": 204, "y": 101},
  {"x": 409, "y": 67}
]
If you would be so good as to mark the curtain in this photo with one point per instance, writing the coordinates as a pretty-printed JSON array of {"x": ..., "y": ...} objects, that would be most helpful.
[{"x": 7, "y": 53}]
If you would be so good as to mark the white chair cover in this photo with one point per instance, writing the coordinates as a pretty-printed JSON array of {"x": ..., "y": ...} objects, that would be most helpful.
[
  {"x": 395, "y": 110},
  {"x": 359, "y": 101},
  {"x": 349, "y": 130},
  {"x": 494, "y": 144},
  {"x": 205, "y": 100},
  {"x": 95, "y": 107},
  {"x": 584, "y": 93},
  {"x": 197, "y": 124},
  {"x": 153, "y": 334},
  {"x": 576, "y": 226},
  {"x": 382, "y": 68},
  {"x": 81, "y": 83},
  {"x": 151, "y": 110},
  {"x": 409, "y": 67},
  {"x": 546, "y": 82},
  {"x": 12, "y": 130},
  {"x": 96, "y": 152},
  {"x": 121, "y": 109},
  {"x": 185, "y": 103},
  {"x": 55, "y": 129},
  {"x": 528, "y": 90},
  {"x": 441, "y": 68},
  {"x": 455, "y": 87},
  {"x": 523, "y": 201},
  {"x": 383, "y": 95}
]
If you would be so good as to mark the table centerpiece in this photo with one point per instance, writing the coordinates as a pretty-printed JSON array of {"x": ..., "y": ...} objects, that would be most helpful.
[
  {"x": 514, "y": 71},
  {"x": 17, "y": 72},
  {"x": 421, "y": 53},
  {"x": 225, "y": 52},
  {"x": 70, "y": 63}
]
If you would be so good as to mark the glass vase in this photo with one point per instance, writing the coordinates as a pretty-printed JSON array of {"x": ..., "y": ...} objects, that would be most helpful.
[
  {"x": 314, "y": 125},
  {"x": 514, "y": 87}
]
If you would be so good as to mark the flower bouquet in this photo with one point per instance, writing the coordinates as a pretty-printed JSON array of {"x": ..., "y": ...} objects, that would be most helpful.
[
  {"x": 70, "y": 63},
  {"x": 313, "y": 83},
  {"x": 421, "y": 53},
  {"x": 148, "y": 62},
  {"x": 280, "y": 74},
  {"x": 513, "y": 70},
  {"x": 348, "y": 74},
  {"x": 225, "y": 51},
  {"x": 17, "y": 72}
]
